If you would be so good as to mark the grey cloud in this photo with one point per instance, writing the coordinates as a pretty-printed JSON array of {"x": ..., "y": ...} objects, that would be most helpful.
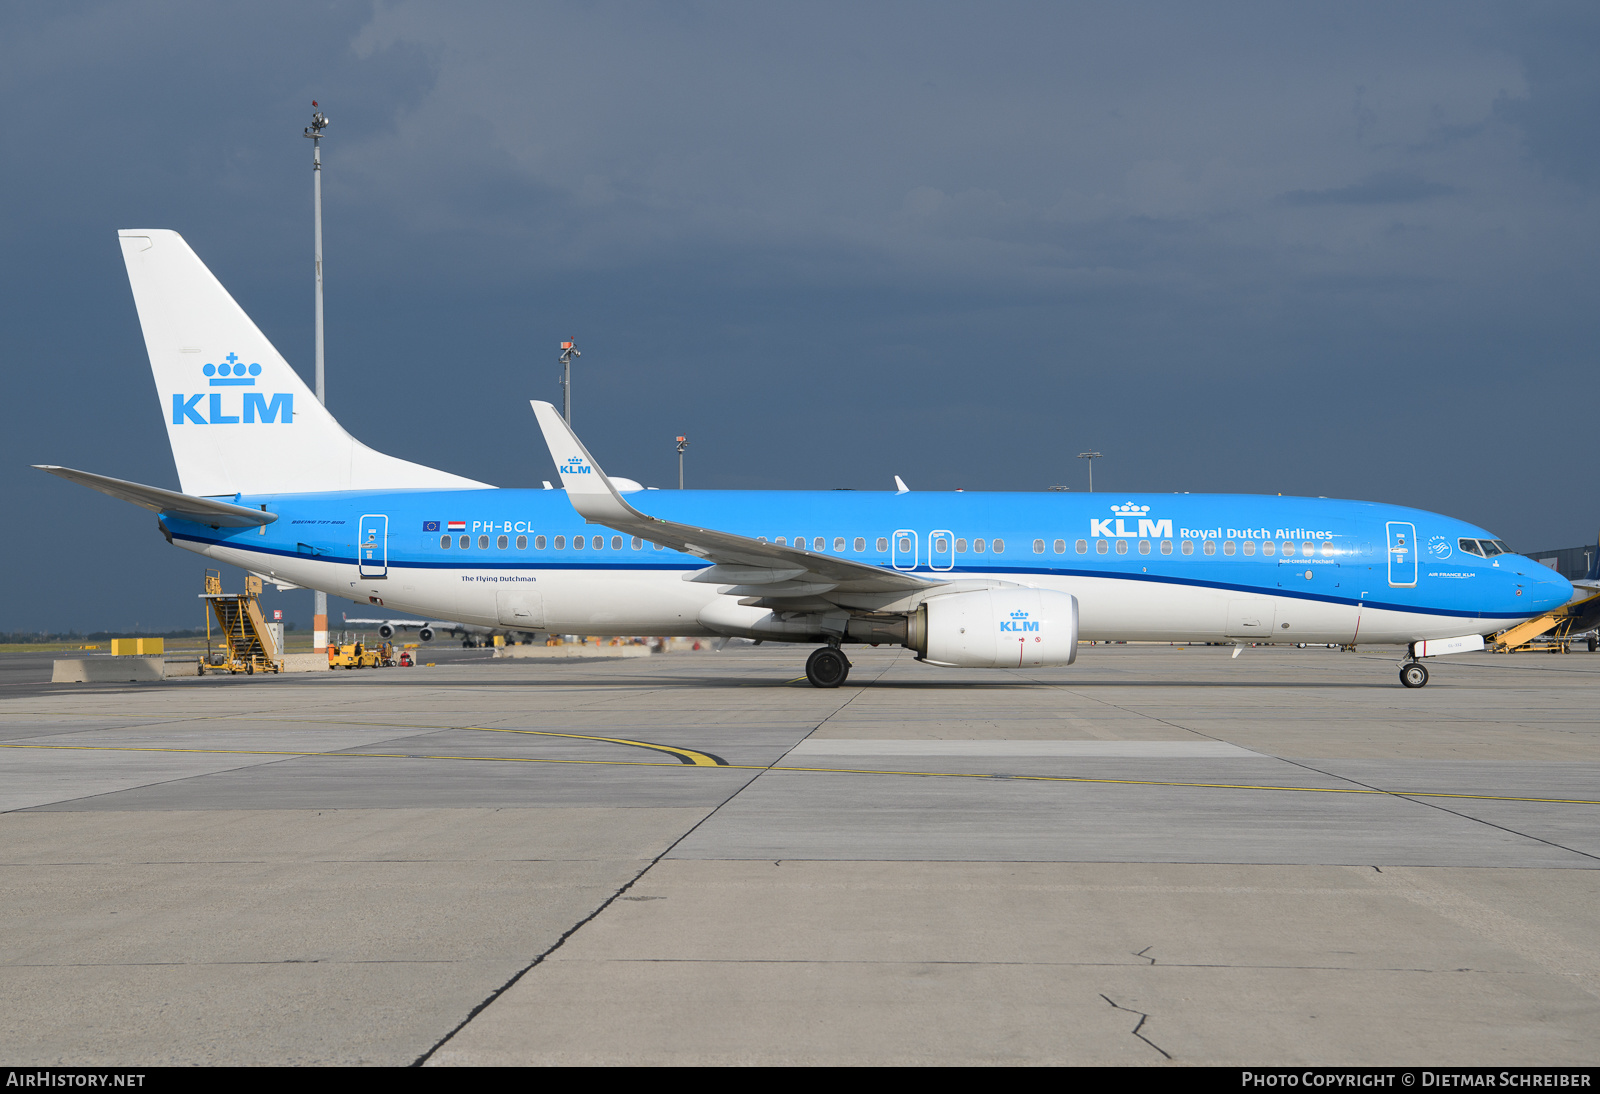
[{"x": 1384, "y": 188}]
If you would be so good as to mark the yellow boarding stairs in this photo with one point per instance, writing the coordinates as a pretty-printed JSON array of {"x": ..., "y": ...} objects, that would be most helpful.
[
  {"x": 248, "y": 645},
  {"x": 1572, "y": 618}
]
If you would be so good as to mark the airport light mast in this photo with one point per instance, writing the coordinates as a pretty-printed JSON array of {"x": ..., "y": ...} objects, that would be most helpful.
[
  {"x": 319, "y": 122},
  {"x": 1091, "y": 457},
  {"x": 683, "y": 443},
  {"x": 569, "y": 350}
]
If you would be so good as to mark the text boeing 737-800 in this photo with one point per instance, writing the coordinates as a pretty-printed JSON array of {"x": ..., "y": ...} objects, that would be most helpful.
[{"x": 270, "y": 482}]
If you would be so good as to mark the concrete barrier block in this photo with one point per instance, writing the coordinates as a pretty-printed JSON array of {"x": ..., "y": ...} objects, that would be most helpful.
[
  {"x": 305, "y": 662},
  {"x": 572, "y": 652},
  {"x": 108, "y": 670}
]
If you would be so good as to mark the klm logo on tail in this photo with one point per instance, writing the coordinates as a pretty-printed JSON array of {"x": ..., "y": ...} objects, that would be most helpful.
[{"x": 252, "y": 407}]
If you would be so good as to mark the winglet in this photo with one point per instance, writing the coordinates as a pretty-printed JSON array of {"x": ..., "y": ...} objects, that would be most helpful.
[
  {"x": 900, "y": 486},
  {"x": 591, "y": 493}
]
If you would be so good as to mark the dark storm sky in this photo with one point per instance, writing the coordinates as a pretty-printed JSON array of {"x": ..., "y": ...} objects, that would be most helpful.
[{"x": 1331, "y": 249}]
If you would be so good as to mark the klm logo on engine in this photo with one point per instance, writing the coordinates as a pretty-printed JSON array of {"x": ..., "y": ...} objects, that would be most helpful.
[
  {"x": 1116, "y": 526},
  {"x": 250, "y": 408},
  {"x": 1019, "y": 623}
]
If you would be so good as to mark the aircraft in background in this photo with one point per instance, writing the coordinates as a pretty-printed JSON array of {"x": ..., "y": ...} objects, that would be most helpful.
[
  {"x": 471, "y": 634},
  {"x": 273, "y": 484}
]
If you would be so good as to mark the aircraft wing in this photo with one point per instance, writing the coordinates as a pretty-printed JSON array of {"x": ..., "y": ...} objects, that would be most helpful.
[
  {"x": 218, "y": 514},
  {"x": 753, "y": 567}
]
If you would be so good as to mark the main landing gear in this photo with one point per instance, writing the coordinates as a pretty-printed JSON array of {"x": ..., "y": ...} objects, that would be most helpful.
[
  {"x": 827, "y": 667},
  {"x": 1413, "y": 674}
]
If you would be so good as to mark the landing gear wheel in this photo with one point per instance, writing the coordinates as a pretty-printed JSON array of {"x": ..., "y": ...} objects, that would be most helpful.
[
  {"x": 827, "y": 667},
  {"x": 1593, "y": 643},
  {"x": 1413, "y": 674}
]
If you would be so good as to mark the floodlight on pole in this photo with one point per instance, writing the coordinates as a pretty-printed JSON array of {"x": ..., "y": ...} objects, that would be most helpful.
[
  {"x": 319, "y": 122},
  {"x": 683, "y": 443},
  {"x": 1091, "y": 457},
  {"x": 569, "y": 350}
]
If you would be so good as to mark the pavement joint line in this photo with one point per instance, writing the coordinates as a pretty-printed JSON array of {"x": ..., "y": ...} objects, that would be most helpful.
[
  {"x": 1418, "y": 798},
  {"x": 996, "y": 776}
]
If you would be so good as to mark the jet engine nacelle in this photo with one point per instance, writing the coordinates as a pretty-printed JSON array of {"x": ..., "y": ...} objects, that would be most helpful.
[
  {"x": 426, "y": 634},
  {"x": 997, "y": 628},
  {"x": 386, "y": 631}
]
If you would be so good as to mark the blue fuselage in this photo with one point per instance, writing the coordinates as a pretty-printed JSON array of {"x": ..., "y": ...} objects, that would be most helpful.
[{"x": 1141, "y": 550}]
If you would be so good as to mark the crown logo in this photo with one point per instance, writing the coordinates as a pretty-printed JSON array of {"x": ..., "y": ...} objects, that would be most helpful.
[
  {"x": 1130, "y": 510},
  {"x": 232, "y": 372},
  {"x": 1019, "y": 615}
]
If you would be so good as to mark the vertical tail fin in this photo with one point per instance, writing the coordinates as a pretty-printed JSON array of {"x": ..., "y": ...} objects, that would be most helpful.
[{"x": 239, "y": 419}]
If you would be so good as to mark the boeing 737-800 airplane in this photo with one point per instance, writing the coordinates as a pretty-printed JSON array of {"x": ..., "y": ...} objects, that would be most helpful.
[{"x": 272, "y": 483}]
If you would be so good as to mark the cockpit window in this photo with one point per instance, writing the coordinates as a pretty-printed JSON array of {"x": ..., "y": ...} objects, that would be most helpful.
[
  {"x": 1470, "y": 546},
  {"x": 1500, "y": 543},
  {"x": 1491, "y": 547}
]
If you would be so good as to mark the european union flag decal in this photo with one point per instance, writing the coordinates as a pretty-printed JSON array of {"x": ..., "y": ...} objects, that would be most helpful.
[{"x": 430, "y": 526}]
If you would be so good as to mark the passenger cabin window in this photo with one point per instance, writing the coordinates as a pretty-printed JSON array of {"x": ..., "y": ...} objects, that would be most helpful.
[
  {"x": 1288, "y": 549},
  {"x": 999, "y": 546},
  {"x": 818, "y": 544},
  {"x": 522, "y": 543},
  {"x": 1188, "y": 547},
  {"x": 1082, "y": 546},
  {"x": 637, "y": 544},
  {"x": 464, "y": 542},
  {"x": 1268, "y": 548},
  {"x": 1060, "y": 546},
  {"x": 1038, "y": 546},
  {"x": 1166, "y": 546},
  {"x": 838, "y": 543},
  {"x": 1209, "y": 547},
  {"x": 961, "y": 546},
  {"x": 1101, "y": 546},
  {"x": 444, "y": 541},
  {"x": 782, "y": 541},
  {"x": 483, "y": 543},
  {"x": 1308, "y": 549},
  {"x": 939, "y": 543},
  {"x": 1227, "y": 547},
  {"x": 861, "y": 543},
  {"x": 1327, "y": 549},
  {"x": 905, "y": 545},
  {"x": 616, "y": 543},
  {"x": 1122, "y": 546},
  {"x": 1249, "y": 547},
  {"x": 1144, "y": 546},
  {"x": 978, "y": 546},
  {"x": 503, "y": 542},
  {"x": 883, "y": 543},
  {"x": 561, "y": 543},
  {"x": 538, "y": 543}
]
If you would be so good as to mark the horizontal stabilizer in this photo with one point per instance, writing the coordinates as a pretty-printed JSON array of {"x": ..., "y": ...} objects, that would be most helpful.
[{"x": 218, "y": 514}]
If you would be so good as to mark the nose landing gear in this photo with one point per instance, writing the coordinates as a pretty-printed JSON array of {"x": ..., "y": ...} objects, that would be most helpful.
[
  {"x": 1413, "y": 674},
  {"x": 827, "y": 667}
]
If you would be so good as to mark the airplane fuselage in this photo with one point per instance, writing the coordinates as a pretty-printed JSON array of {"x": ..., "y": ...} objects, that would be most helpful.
[{"x": 1161, "y": 567}]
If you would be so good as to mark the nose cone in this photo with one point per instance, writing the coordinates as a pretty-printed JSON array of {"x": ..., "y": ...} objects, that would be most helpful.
[{"x": 1542, "y": 588}]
